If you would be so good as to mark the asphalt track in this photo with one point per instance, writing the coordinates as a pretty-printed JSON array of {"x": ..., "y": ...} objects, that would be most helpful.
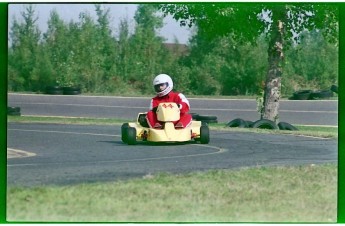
[
  {"x": 54, "y": 154},
  {"x": 309, "y": 112}
]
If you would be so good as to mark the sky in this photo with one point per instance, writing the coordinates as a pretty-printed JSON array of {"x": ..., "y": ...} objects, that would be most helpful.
[{"x": 68, "y": 12}]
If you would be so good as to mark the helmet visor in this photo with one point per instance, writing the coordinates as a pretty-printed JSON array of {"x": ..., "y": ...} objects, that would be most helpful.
[{"x": 160, "y": 87}]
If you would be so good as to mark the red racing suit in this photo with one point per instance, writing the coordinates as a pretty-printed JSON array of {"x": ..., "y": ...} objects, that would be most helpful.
[{"x": 175, "y": 97}]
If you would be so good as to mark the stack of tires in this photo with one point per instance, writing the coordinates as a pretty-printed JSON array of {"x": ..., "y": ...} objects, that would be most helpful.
[
  {"x": 314, "y": 95},
  {"x": 54, "y": 90},
  {"x": 260, "y": 124},
  {"x": 58, "y": 90},
  {"x": 13, "y": 111}
]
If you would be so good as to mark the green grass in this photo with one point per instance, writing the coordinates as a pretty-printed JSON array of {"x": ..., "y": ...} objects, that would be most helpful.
[
  {"x": 265, "y": 194},
  {"x": 314, "y": 131},
  {"x": 260, "y": 194},
  {"x": 66, "y": 120}
]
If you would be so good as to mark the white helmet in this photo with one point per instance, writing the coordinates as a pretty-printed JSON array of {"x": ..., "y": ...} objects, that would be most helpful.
[{"x": 162, "y": 79}]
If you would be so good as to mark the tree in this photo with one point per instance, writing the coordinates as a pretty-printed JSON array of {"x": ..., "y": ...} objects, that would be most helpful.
[
  {"x": 23, "y": 55},
  {"x": 280, "y": 22},
  {"x": 312, "y": 64},
  {"x": 57, "y": 45},
  {"x": 146, "y": 55}
]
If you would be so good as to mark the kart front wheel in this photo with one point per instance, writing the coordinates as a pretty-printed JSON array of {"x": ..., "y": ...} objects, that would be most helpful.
[
  {"x": 131, "y": 136},
  {"x": 124, "y": 136},
  {"x": 204, "y": 134}
]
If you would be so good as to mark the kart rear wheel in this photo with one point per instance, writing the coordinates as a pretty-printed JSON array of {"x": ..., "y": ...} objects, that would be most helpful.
[
  {"x": 131, "y": 136},
  {"x": 124, "y": 136},
  {"x": 204, "y": 134}
]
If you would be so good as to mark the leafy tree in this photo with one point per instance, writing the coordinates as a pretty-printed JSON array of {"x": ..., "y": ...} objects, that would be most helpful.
[
  {"x": 147, "y": 57},
  {"x": 23, "y": 56},
  {"x": 312, "y": 64},
  {"x": 124, "y": 56},
  {"x": 280, "y": 22},
  {"x": 108, "y": 48},
  {"x": 58, "y": 45}
]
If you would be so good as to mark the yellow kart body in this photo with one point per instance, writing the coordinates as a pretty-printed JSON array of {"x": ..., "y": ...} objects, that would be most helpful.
[{"x": 167, "y": 113}]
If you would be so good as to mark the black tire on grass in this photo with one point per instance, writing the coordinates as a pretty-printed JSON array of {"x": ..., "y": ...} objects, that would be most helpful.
[
  {"x": 321, "y": 94},
  {"x": 71, "y": 90},
  {"x": 250, "y": 124},
  {"x": 302, "y": 95},
  {"x": 54, "y": 90},
  {"x": 286, "y": 126},
  {"x": 265, "y": 124},
  {"x": 238, "y": 122}
]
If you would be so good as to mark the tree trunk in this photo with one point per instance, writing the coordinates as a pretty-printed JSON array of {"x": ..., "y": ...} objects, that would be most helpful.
[{"x": 273, "y": 80}]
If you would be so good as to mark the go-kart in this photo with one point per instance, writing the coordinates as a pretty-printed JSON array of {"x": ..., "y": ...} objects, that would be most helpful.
[{"x": 167, "y": 113}]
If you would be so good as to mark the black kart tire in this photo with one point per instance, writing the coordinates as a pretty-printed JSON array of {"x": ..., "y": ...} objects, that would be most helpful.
[
  {"x": 238, "y": 122},
  {"x": 204, "y": 134},
  {"x": 286, "y": 126},
  {"x": 265, "y": 124},
  {"x": 131, "y": 136},
  {"x": 124, "y": 136}
]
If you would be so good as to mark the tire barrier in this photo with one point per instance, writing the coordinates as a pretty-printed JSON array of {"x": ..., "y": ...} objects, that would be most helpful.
[
  {"x": 314, "y": 95},
  {"x": 321, "y": 94},
  {"x": 286, "y": 126},
  {"x": 301, "y": 95},
  {"x": 238, "y": 122},
  {"x": 54, "y": 90},
  {"x": 261, "y": 124},
  {"x": 250, "y": 124},
  {"x": 58, "y": 90},
  {"x": 71, "y": 90},
  {"x": 13, "y": 111},
  {"x": 265, "y": 124}
]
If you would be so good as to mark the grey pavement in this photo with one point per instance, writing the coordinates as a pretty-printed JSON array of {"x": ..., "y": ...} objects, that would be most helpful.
[
  {"x": 73, "y": 154},
  {"x": 310, "y": 112}
]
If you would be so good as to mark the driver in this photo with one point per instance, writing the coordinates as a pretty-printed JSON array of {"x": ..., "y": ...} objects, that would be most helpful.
[{"x": 163, "y": 86}]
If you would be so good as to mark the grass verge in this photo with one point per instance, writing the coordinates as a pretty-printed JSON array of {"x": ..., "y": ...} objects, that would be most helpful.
[
  {"x": 66, "y": 120},
  {"x": 316, "y": 131},
  {"x": 264, "y": 194}
]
